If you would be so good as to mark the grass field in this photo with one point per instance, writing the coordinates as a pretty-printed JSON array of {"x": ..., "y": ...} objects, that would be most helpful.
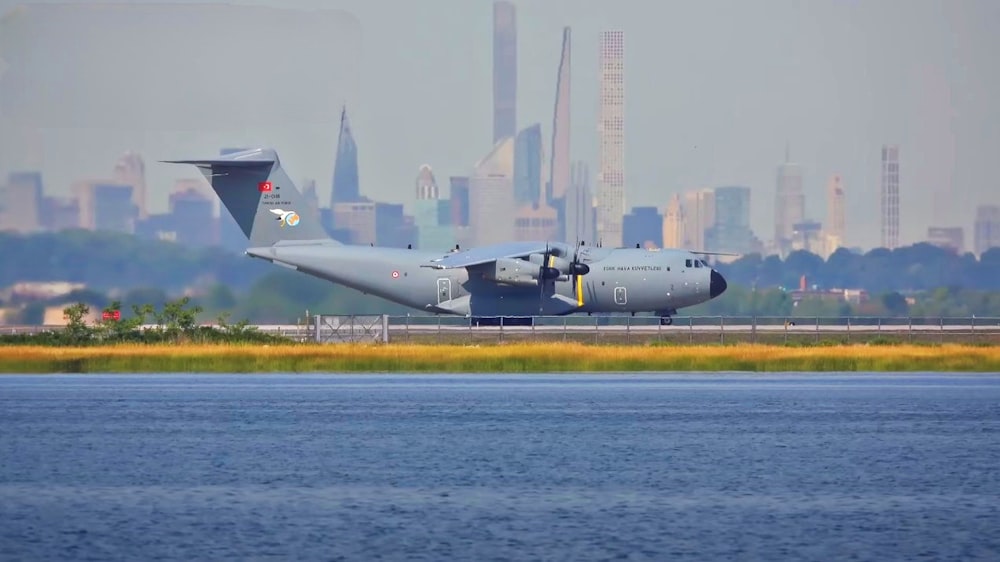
[{"x": 510, "y": 358}]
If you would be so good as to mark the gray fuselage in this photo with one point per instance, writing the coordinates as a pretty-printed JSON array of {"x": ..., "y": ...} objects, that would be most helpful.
[{"x": 619, "y": 280}]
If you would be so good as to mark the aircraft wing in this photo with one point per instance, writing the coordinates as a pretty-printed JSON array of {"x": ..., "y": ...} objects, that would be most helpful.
[{"x": 492, "y": 253}]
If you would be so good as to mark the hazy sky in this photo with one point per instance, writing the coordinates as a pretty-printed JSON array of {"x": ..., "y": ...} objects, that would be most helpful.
[{"x": 714, "y": 90}]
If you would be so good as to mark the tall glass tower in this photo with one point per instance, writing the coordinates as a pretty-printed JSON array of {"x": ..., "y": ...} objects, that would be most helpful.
[{"x": 345, "y": 169}]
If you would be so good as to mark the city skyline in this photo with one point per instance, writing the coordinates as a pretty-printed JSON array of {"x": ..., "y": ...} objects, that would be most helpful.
[{"x": 835, "y": 119}]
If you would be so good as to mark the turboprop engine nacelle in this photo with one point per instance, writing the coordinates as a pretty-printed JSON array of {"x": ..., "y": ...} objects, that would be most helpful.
[{"x": 520, "y": 273}]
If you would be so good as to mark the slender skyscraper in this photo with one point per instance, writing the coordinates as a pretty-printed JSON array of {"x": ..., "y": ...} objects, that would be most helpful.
[
  {"x": 345, "y": 168},
  {"x": 560, "y": 174},
  {"x": 835, "y": 221},
  {"x": 579, "y": 206},
  {"x": 789, "y": 204},
  {"x": 890, "y": 196},
  {"x": 674, "y": 224},
  {"x": 611, "y": 128},
  {"x": 504, "y": 70},
  {"x": 528, "y": 170}
]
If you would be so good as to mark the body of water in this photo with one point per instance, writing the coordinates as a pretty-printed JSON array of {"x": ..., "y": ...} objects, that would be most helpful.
[{"x": 567, "y": 467}]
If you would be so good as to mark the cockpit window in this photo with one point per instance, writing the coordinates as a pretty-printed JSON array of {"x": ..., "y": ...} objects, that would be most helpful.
[
  {"x": 687, "y": 263},
  {"x": 697, "y": 263},
  {"x": 704, "y": 263}
]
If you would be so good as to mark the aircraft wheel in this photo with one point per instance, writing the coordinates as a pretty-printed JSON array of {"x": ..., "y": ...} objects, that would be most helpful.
[{"x": 666, "y": 320}]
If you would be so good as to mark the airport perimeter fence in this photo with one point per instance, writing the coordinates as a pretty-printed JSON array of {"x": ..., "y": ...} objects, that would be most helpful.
[
  {"x": 611, "y": 329},
  {"x": 605, "y": 329}
]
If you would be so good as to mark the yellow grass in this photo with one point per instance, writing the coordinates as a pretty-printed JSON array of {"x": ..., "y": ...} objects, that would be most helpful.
[{"x": 527, "y": 357}]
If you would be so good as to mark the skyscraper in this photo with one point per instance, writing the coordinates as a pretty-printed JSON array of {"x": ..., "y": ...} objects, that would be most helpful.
[
  {"x": 131, "y": 170},
  {"x": 346, "y": 188},
  {"x": 731, "y": 231},
  {"x": 432, "y": 232},
  {"x": 611, "y": 128},
  {"x": 528, "y": 158},
  {"x": 560, "y": 171},
  {"x": 674, "y": 224},
  {"x": 987, "y": 228},
  {"x": 835, "y": 220},
  {"x": 491, "y": 196},
  {"x": 579, "y": 206},
  {"x": 504, "y": 70},
  {"x": 890, "y": 196},
  {"x": 789, "y": 204},
  {"x": 699, "y": 210}
]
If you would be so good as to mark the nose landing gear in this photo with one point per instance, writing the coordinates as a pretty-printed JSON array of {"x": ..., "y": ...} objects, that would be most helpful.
[{"x": 666, "y": 317}]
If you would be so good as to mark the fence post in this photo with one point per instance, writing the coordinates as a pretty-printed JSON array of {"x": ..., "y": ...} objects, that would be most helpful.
[
  {"x": 817, "y": 329},
  {"x": 565, "y": 327},
  {"x": 848, "y": 329},
  {"x": 628, "y": 329},
  {"x": 753, "y": 330},
  {"x": 317, "y": 336},
  {"x": 385, "y": 328},
  {"x": 690, "y": 329},
  {"x": 909, "y": 331},
  {"x": 722, "y": 330}
]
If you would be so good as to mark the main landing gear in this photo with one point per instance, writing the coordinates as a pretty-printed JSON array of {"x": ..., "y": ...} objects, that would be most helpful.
[{"x": 666, "y": 317}]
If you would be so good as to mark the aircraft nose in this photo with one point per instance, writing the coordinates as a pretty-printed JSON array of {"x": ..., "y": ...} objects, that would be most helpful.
[{"x": 717, "y": 285}]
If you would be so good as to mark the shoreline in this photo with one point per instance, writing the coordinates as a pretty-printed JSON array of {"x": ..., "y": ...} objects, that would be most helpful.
[{"x": 509, "y": 358}]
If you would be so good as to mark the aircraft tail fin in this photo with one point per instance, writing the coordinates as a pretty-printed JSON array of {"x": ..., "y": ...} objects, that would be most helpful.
[{"x": 261, "y": 198}]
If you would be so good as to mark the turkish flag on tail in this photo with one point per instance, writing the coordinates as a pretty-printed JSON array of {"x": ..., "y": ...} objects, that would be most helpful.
[{"x": 264, "y": 186}]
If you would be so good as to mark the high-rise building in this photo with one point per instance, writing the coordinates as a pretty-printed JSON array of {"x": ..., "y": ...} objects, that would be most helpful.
[
  {"x": 528, "y": 168},
  {"x": 346, "y": 187},
  {"x": 560, "y": 169},
  {"x": 890, "y": 196},
  {"x": 987, "y": 228},
  {"x": 504, "y": 70},
  {"x": 131, "y": 170},
  {"x": 432, "y": 232},
  {"x": 579, "y": 206},
  {"x": 491, "y": 196},
  {"x": 699, "y": 214},
  {"x": 459, "y": 187},
  {"x": 947, "y": 237},
  {"x": 835, "y": 228},
  {"x": 731, "y": 231},
  {"x": 643, "y": 227},
  {"x": 535, "y": 222},
  {"x": 193, "y": 214},
  {"x": 60, "y": 213},
  {"x": 355, "y": 222},
  {"x": 112, "y": 208},
  {"x": 611, "y": 128},
  {"x": 789, "y": 204},
  {"x": 21, "y": 203},
  {"x": 674, "y": 224}
]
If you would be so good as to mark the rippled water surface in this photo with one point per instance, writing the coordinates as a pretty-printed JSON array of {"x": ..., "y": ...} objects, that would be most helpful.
[{"x": 706, "y": 467}]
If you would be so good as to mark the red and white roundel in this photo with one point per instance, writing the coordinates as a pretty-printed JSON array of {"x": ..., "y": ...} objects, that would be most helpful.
[{"x": 395, "y": 275}]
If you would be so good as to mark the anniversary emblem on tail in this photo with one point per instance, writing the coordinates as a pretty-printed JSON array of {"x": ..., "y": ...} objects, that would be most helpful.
[{"x": 287, "y": 218}]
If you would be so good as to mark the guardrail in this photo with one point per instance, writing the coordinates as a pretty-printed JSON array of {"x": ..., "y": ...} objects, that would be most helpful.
[{"x": 626, "y": 329}]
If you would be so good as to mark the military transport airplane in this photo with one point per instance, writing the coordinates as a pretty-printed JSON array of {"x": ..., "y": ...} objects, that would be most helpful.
[{"x": 518, "y": 279}]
